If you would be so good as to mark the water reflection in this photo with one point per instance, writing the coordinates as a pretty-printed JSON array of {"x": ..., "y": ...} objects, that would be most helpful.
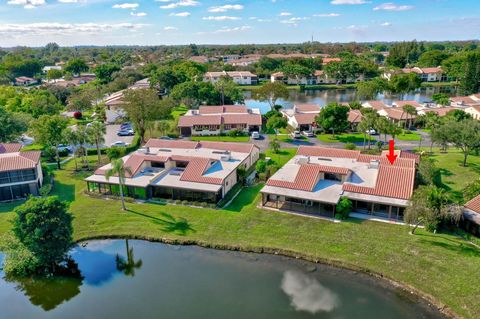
[
  {"x": 49, "y": 293},
  {"x": 98, "y": 267},
  {"x": 307, "y": 294},
  {"x": 128, "y": 266}
]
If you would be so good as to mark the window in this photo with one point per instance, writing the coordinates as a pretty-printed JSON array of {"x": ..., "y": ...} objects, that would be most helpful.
[{"x": 333, "y": 177}]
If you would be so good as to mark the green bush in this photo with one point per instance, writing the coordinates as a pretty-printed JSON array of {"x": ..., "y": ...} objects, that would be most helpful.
[
  {"x": 261, "y": 166},
  {"x": 350, "y": 146},
  {"x": 19, "y": 260},
  {"x": 343, "y": 208}
]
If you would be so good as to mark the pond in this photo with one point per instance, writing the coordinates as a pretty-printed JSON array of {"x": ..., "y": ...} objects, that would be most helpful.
[
  {"x": 323, "y": 97},
  {"x": 163, "y": 281}
]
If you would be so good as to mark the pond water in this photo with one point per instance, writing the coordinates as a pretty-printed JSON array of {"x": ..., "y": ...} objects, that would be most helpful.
[
  {"x": 323, "y": 97},
  {"x": 163, "y": 281}
]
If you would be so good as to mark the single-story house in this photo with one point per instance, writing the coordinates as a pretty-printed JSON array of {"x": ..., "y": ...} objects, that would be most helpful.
[
  {"x": 20, "y": 172},
  {"x": 471, "y": 216},
  {"x": 464, "y": 101},
  {"x": 199, "y": 59},
  {"x": 302, "y": 116},
  {"x": 474, "y": 111},
  {"x": 25, "y": 81},
  {"x": 213, "y": 120},
  {"x": 245, "y": 60},
  {"x": 315, "y": 179},
  {"x": 393, "y": 113},
  {"x": 76, "y": 81},
  {"x": 179, "y": 170},
  {"x": 239, "y": 77},
  {"x": 318, "y": 77}
]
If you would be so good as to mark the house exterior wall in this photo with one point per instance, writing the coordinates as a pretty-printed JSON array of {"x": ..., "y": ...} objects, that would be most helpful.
[{"x": 473, "y": 112}]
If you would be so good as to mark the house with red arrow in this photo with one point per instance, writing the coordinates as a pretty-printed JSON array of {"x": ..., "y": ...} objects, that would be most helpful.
[{"x": 315, "y": 179}]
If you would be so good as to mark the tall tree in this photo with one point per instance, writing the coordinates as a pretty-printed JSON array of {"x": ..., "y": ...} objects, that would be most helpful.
[
  {"x": 271, "y": 92},
  {"x": 97, "y": 131},
  {"x": 119, "y": 170},
  {"x": 465, "y": 135},
  {"x": 12, "y": 125},
  {"x": 333, "y": 117},
  {"x": 229, "y": 90},
  {"x": 410, "y": 112},
  {"x": 49, "y": 130},
  {"x": 76, "y": 66}
]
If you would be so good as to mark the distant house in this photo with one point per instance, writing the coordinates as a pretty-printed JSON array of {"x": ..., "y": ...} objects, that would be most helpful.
[
  {"x": 394, "y": 113},
  {"x": 474, "y": 111},
  {"x": 316, "y": 178},
  {"x": 199, "y": 59},
  {"x": 20, "y": 172},
  {"x": 179, "y": 170},
  {"x": 51, "y": 67},
  {"x": 239, "y": 77},
  {"x": 464, "y": 101},
  {"x": 302, "y": 116},
  {"x": 25, "y": 81},
  {"x": 471, "y": 214},
  {"x": 214, "y": 120},
  {"x": 318, "y": 77},
  {"x": 434, "y": 74},
  {"x": 354, "y": 118},
  {"x": 244, "y": 61},
  {"x": 76, "y": 81}
]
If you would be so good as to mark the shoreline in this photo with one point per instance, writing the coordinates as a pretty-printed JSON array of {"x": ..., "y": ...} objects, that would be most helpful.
[{"x": 442, "y": 308}]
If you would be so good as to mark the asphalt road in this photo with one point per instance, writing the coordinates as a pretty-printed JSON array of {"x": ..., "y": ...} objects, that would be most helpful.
[{"x": 112, "y": 137}]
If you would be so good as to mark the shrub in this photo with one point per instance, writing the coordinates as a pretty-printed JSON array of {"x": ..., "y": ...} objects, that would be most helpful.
[
  {"x": 19, "y": 261},
  {"x": 262, "y": 176},
  {"x": 350, "y": 146},
  {"x": 45, "y": 189},
  {"x": 261, "y": 166},
  {"x": 185, "y": 202},
  {"x": 343, "y": 208},
  {"x": 77, "y": 115}
]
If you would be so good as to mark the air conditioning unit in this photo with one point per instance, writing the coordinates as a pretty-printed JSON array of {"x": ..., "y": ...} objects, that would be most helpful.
[
  {"x": 302, "y": 160},
  {"x": 374, "y": 164},
  {"x": 226, "y": 157}
]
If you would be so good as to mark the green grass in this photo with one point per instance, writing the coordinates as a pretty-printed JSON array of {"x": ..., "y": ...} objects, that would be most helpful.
[
  {"x": 453, "y": 176},
  {"x": 409, "y": 136},
  {"x": 179, "y": 111},
  {"x": 221, "y": 138},
  {"x": 285, "y": 138},
  {"x": 344, "y": 138},
  {"x": 441, "y": 265},
  {"x": 282, "y": 157}
]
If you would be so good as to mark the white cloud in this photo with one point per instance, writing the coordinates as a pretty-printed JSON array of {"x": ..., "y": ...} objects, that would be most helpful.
[
  {"x": 285, "y": 14},
  {"x": 62, "y": 29},
  {"x": 180, "y": 14},
  {"x": 326, "y": 15},
  {"x": 307, "y": 294},
  {"x": 225, "y": 8},
  {"x": 27, "y": 4},
  {"x": 293, "y": 21},
  {"x": 349, "y": 2},
  {"x": 138, "y": 14},
  {"x": 183, "y": 3},
  {"x": 126, "y": 6},
  {"x": 220, "y": 18},
  {"x": 236, "y": 29},
  {"x": 386, "y": 24},
  {"x": 169, "y": 28},
  {"x": 389, "y": 6},
  {"x": 68, "y": 1}
]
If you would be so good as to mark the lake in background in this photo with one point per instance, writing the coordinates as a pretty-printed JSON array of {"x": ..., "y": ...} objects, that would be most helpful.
[
  {"x": 193, "y": 282},
  {"x": 323, "y": 97}
]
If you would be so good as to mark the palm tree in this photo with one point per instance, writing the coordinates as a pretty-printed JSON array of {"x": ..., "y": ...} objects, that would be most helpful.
[
  {"x": 72, "y": 138},
  {"x": 128, "y": 266},
  {"x": 97, "y": 131},
  {"x": 83, "y": 139},
  {"x": 119, "y": 170},
  {"x": 383, "y": 125},
  {"x": 363, "y": 127},
  {"x": 163, "y": 126},
  {"x": 410, "y": 110}
]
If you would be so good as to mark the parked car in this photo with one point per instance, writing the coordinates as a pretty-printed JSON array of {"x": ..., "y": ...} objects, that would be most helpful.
[
  {"x": 296, "y": 134},
  {"x": 371, "y": 132},
  {"x": 255, "y": 135},
  {"x": 125, "y": 133},
  {"x": 65, "y": 147},
  {"x": 126, "y": 125},
  {"x": 168, "y": 138},
  {"x": 308, "y": 133},
  {"x": 118, "y": 144}
]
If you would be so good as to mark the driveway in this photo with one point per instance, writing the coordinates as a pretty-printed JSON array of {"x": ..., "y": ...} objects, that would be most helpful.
[{"x": 112, "y": 137}]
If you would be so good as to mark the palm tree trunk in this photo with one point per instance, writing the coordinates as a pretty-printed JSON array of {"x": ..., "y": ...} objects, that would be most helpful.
[
  {"x": 120, "y": 183},
  {"x": 98, "y": 152},
  {"x": 364, "y": 140}
]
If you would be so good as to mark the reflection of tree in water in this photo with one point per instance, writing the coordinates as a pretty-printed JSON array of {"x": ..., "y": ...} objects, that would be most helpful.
[
  {"x": 51, "y": 292},
  {"x": 129, "y": 265}
]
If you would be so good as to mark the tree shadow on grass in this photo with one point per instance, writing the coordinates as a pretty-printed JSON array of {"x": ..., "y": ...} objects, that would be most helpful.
[
  {"x": 453, "y": 245},
  {"x": 65, "y": 192},
  {"x": 170, "y": 224}
]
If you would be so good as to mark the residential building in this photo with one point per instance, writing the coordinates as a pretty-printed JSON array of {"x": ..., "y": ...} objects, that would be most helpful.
[
  {"x": 214, "y": 120},
  {"x": 114, "y": 101},
  {"x": 199, "y": 59},
  {"x": 474, "y": 111},
  {"x": 471, "y": 214},
  {"x": 245, "y": 60},
  {"x": 302, "y": 116},
  {"x": 239, "y": 77},
  {"x": 51, "y": 67},
  {"x": 318, "y": 77},
  {"x": 20, "y": 172},
  {"x": 179, "y": 170},
  {"x": 75, "y": 81},
  {"x": 315, "y": 179},
  {"x": 394, "y": 113},
  {"x": 433, "y": 74},
  {"x": 24, "y": 81}
]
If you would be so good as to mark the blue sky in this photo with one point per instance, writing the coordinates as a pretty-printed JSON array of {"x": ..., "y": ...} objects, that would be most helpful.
[{"x": 151, "y": 22}]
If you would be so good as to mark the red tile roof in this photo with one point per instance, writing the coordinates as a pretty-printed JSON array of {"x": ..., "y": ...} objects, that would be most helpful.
[
  {"x": 195, "y": 169},
  {"x": 398, "y": 114},
  {"x": 249, "y": 119},
  {"x": 305, "y": 118},
  {"x": 226, "y": 146},
  {"x": 377, "y": 105},
  {"x": 307, "y": 177},
  {"x": 157, "y": 143},
  {"x": 463, "y": 99},
  {"x": 474, "y": 204},
  {"x": 191, "y": 120},
  {"x": 13, "y": 161},
  {"x": 226, "y": 118},
  {"x": 10, "y": 147},
  {"x": 355, "y": 116},
  {"x": 307, "y": 108},
  {"x": 327, "y": 152},
  {"x": 442, "y": 111},
  {"x": 403, "y": 103},
  {"x": 217, "y": 109}
]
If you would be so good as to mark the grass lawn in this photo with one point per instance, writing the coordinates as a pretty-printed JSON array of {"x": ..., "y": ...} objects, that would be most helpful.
[
  {"x": 285, "y": 138},
  {"x": 453, "y": 176},
  {"x": 409, "y": 136},
  {"x": 221, "y": 138},
  {"x": 179, "y": 111},
  {"x": 355, "y": 138},
  {"x": 440, "y": 265},
  {"x": 282, "y": 157}
]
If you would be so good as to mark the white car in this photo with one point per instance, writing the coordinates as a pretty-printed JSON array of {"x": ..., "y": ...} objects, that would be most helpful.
[
  {"x": 255, "y": 135},
  {"x": 371, "y": 132},
  {"x": 118, "y": 144},
  {"x": 308, "y": 133},
  {"x": 296, "y": 134}
]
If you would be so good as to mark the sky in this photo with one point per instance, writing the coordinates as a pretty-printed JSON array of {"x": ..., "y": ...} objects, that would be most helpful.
[{"x": 156, "y": 22}]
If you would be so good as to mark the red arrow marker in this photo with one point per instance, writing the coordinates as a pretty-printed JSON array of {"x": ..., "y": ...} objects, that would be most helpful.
[{"x": 392, "y": 157}]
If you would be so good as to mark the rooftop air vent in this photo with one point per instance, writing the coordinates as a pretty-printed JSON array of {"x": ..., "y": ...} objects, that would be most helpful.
[
  {"x": 302, "y": 160},
  {"x": 374, "y": 164},
  {"x": 324, "y": 159}
]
